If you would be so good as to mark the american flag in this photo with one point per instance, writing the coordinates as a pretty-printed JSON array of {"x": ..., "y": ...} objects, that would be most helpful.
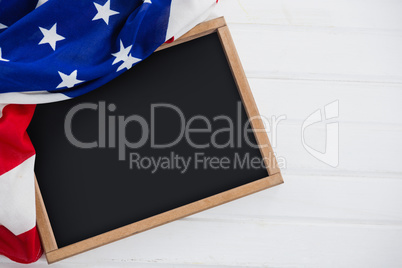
[{"x": 52, "y": 50}]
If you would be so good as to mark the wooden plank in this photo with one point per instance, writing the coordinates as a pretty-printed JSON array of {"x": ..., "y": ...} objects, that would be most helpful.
[
  {"x": 355, "y": 159},
  {"x": 114, "y": 264},
  {"x": 257, "y": 243},
  {"x": 368, "y": 123},
  {"x": 272, "y": 98},
  {"x": 363, "y": 14},
  {"x": 319, "y": 200},
  {"x": 318, "y": 54}
]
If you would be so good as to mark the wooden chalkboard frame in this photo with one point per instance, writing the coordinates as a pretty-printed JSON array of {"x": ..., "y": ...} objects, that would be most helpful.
[{"x": 51, "y": 250}]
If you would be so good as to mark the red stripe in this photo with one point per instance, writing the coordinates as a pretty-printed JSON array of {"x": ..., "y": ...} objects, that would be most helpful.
[
  {"x": 170, "y": 40},
  {"x": 23, "y": 248},
  {"x": 15, "y": 148},
  {"x": 15, "y": 144}
]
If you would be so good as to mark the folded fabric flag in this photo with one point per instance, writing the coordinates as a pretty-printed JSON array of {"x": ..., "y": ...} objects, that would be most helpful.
[{"x": 52, "y": 50}]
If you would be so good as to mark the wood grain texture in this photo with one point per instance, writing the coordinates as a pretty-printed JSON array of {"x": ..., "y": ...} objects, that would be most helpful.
[
  {"x": 302, "y": 53},
  {"x": 382, "y": 16},
  {"x": 272, "y": 97},
  {"x": 258, "y": 244}
]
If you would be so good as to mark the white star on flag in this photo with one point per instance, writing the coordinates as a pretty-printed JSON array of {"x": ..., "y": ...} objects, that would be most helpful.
[
  {"x": 69, "y": 80},
  {"x": 1, "y": 58},
  {"x": 122, "y": 55},
  {"x": 128, "y": 63},
  {"x": 50, "y": 36},
  {"x": 104, "y": 12},
  {"x": 2, "y": 26}
]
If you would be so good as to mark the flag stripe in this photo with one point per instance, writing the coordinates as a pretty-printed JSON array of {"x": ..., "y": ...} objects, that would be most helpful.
[
  {"x": 18, "y": 188},
  {"x": 23, "y": 248},
  {"x": 181, "y": 22},
  {"x": 15, "y": 144},
  {"x": 29, "y": 97}
]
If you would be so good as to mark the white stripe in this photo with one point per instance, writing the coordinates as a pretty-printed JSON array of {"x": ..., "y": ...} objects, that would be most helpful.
[
  {"x": 1, "y": 109},
  {"x": 185, "y": 14},
  {"x": 34, "y": 97},
  {"x": 40, "y": 2},
  {"x": 17, "y": 198}
]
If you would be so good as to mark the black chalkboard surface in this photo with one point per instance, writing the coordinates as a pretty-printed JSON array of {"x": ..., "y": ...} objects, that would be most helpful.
[{"x": 103, "y": 161}]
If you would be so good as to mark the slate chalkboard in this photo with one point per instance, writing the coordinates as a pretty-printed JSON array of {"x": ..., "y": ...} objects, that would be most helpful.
[{"x": 109, "y": 184}]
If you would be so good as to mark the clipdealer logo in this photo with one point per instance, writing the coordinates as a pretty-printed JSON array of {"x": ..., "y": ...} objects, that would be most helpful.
[
  {"x": 115, "y": 126},
  {"x": 329, "y": 115},
  {"x": 112, "y": 134}
]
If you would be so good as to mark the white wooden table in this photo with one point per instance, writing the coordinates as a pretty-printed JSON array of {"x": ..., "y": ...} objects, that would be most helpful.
[{"x": 300, "y": 56}]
